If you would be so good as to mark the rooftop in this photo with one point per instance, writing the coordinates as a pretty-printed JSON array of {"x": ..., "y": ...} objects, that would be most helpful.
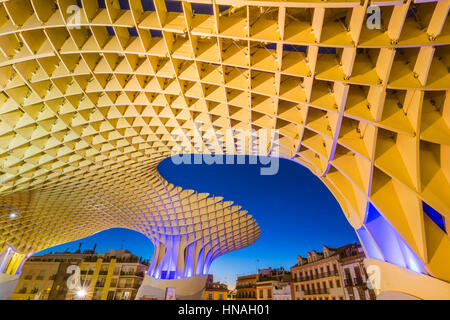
[{"x": 346, "y": 251}]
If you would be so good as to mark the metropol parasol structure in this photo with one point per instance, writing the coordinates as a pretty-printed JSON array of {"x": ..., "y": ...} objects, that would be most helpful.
[{"x": 92, "y": 91}]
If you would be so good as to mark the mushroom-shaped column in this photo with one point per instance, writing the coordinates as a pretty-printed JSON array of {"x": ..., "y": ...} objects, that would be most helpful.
[{"x": 186, "y": 245}]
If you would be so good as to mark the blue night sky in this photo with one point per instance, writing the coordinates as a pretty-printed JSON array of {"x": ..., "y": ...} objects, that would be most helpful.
[{"x": 294, "y": 209}]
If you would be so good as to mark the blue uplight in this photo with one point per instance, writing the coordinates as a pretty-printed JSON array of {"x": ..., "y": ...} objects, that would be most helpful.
[
  {"x": 393, "y": 247},
  {"x": 372, "y": 250},
  {"x": 437, "y": 218}
]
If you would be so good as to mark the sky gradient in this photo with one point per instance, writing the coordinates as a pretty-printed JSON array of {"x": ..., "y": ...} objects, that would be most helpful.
[{"x": 294, "y": 209}]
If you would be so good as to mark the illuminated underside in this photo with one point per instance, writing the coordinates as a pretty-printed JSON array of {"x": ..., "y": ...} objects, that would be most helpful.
[{"x": 87, "y": 113}]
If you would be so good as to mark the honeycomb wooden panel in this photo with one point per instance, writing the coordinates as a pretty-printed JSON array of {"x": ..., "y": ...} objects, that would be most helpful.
[{"x": 91, "y": 98}]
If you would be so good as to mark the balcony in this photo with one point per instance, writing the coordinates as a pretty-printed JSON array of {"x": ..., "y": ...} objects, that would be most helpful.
[
  {"x": 128, "y": 286},
  {"x": 348, "y": 282},
  {"x": 131, "y": 274},
  {"x": 358, "y": 281},
  {"x": 246, "y": 286},
  {"x": 317, "y": 276},
  {"x": 317, "y": 291}
]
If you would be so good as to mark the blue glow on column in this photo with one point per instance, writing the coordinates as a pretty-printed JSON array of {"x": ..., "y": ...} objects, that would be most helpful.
[
  {"x": 166, "y": 262},
  {"x": 372, "y": 251},
  {"x": 4, "y": 257},
  {"x": 208, "y": 261},
  {"x": 199, "y": 266},
  {"x": 393, "y": 247},
  {"x": 189, "y": 267}
]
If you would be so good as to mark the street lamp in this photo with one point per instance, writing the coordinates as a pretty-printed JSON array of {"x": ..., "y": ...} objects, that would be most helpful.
[{"x": 81, "y": 294}]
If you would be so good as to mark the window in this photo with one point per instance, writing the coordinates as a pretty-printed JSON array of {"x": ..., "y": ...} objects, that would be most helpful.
[
  {"x": 210, "y": 296},
  {"x": 269, "y": 293},
  {"x": 41, "y": 275},
  {"x": 331, "y": 284},
  {"x": 357, "y": 271},
  {"x": 261, "y": 294},
  {"x": 362, "y": 294},
  {"x": 220, "y": 296},
  {"x": 296, "y": 288},
  {"x": 338, "y": 283},
  {"x": 110, "y": 295}
]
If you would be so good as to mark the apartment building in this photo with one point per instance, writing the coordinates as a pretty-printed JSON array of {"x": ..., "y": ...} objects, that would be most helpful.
[
  {"x": 115, "y": 275},
  {"x": 355, "y": 275},
  {"x": 325, "y": 275},
  {"x": 273, "y": 284},
  {"x": 45, "y": 277},
  {"x": 246, "y": 287},
  {"x": 215, "y": 290}
]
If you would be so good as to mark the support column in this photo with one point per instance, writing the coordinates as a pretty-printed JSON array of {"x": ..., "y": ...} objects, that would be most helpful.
[
  {"x": 8, "y": 283},
  {"x": 10, "y": 266}
]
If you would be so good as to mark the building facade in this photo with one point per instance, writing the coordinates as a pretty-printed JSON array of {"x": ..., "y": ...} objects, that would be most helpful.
[
  {"x": 45, "y": 277},
  {"x": 246, "y": 287},
  {"x": 355, "y": 275},
  {"x": 273, "y": 284},
  {"x": 320, "y": 276},
  {"x": 215, "y": 290},
  {"x": 115, "y": 275}
]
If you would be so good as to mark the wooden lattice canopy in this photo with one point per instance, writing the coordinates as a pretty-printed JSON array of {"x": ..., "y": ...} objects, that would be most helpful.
[{"x": 89, "y": 101}]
